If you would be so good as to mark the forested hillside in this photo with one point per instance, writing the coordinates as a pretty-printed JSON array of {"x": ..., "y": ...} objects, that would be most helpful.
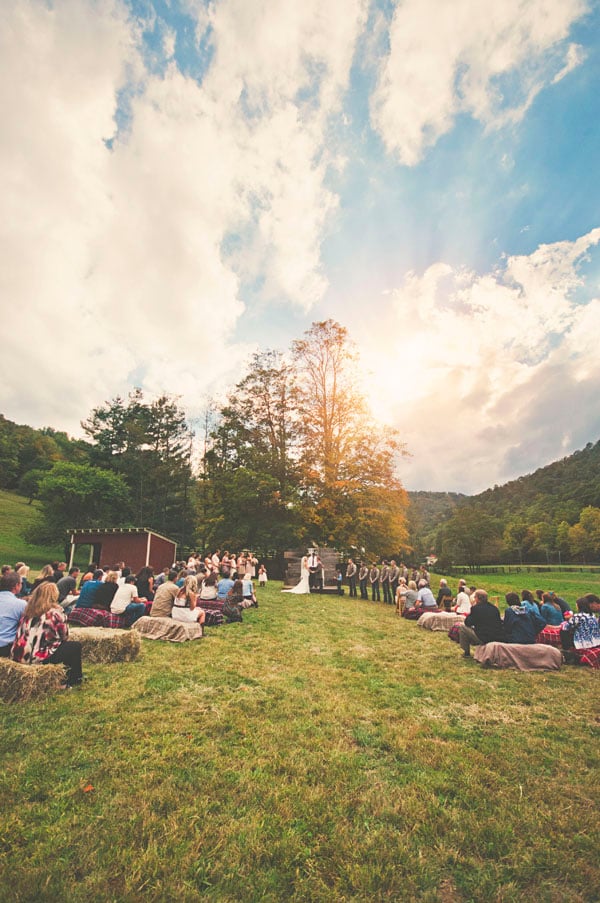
[{"x": 552, "y": 514}]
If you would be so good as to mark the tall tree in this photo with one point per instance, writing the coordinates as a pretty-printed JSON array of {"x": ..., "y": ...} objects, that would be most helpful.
[
  {"x": 250, "y": 465},
  {"x": 351, "y": 494},
  {"x": 79, "y": 495},
  {"x": 150, "y": 445}
]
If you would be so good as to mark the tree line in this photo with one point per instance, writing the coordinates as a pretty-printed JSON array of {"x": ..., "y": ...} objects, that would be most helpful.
[
  {"x": 292, "y": 457},
  {"x": 550, "y": 516}
]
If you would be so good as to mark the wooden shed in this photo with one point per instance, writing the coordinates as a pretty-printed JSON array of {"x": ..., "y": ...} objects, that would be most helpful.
[{"x": 137, "y": 547}]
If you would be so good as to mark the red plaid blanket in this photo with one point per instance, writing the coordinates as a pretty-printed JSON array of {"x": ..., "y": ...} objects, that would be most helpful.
[
  {"x": 549, "y": 636},
  {"x": 589, "y": 657},
  {"x": 94, "y": 617}
]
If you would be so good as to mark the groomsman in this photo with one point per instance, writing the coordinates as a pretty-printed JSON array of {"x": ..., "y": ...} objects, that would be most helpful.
[
  {"x": 363, "y": 576},
  {"x": 384, "y": 574},
  {"x": 351, "y": 577},
  {"x": 393, "y": 578},
  {"x": 374, "y": 581}
]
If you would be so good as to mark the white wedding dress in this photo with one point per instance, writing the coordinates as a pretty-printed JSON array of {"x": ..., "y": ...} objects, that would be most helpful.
[{"x": 303, "y": 586}]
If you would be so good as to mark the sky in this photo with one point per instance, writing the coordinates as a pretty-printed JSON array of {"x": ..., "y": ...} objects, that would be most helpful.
[{"x": 183, "y": 183}]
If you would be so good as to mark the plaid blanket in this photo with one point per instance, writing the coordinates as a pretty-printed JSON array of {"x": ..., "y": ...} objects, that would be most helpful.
[
  {"x": 549, "y": 636},
  {"x": 213, "y": 618},
  {"x": 439, "y": 620},
  {"x": 95, "y": 617},
  {"x": 453, "y": 632},
  {"x": 211, "y": 604},
  {"x": 167, "y": 629},
  {"x": 589, "y": 657}
]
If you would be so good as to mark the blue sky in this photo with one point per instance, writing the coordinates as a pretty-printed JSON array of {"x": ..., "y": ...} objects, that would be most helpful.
[{"x": 186, "y": 182}]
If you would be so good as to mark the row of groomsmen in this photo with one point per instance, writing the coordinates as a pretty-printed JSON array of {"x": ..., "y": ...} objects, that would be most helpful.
[{"x": 382, "y": 579}]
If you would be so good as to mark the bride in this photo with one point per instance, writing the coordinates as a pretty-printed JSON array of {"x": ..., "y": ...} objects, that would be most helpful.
[{"x": 303, "y": 586}]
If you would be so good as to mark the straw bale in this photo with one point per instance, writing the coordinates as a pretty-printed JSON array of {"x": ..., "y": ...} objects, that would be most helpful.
[
  {"x": 20, "y": 683},
  {"x": 102, "y": 645}
]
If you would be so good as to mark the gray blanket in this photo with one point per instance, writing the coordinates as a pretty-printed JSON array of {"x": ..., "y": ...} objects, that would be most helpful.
[{"x": 534, "y": 657}]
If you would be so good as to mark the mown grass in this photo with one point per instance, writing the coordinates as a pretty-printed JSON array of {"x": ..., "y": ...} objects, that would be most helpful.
[
  {"x": 16, "y": 517},
  {"x": 570, "y": 585},
  {"x": 322, "y": 750}
]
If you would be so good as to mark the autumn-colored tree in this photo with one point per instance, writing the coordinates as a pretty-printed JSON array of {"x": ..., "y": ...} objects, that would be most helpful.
[{"x": 350, "y": 494}]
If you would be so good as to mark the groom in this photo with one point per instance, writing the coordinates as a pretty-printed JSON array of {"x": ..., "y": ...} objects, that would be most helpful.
[{"x": 315, "y": 566}]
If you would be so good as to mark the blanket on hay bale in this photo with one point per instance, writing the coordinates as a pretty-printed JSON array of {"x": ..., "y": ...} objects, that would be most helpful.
[
  {"x": 96, "y": 617},
  {"x": 20, "y": 683},
  {"x": 167, "y": 629},
  {"x": 439, "y": 620},
  {"x": 102, "y": 645},
  {"x": 533, "y": 657}
]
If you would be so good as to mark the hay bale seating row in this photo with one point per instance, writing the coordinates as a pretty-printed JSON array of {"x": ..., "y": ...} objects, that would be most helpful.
[
  {"x": 20, "y": 683},
  {"x": 103, "y": 645}
]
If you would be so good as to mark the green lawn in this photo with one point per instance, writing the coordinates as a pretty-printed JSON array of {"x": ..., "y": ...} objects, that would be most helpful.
[
  {"x": 323, "y": 750},
  {"x": 570, "y": 584},
  {"x": 15, "y": 517}
]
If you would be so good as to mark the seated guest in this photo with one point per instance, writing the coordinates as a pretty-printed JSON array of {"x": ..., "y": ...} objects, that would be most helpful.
[
  {"x": 67, "y": 586},
  {"x": 425, "y": 598},
  {"x": 551, "y": 611},
  {"x": 89, "y": 574},
  {"x": 562, "y": 604},
  {"x": 45, "y": 575},
  {"x": 223, "y": 587},
  {"x": 162, "y": 578},
  {"x": 236, "y": 593},
  {"x": 87, "y": 592},
  {"x": 463, "y": 599},
  {"x": 11, "y": 610},
  {"x": 185, "y": 606},
  {"x": 105, "y": 593},
  {"x": 162, "y": 606},
  {"x": 248, "y": 593},
  {"x": 408, "y": 600},
  {"x": 444, "y": 592},
  {"x": 520, "y": 624},
  {"x": 208, "y": 588},
  {"x": 482, "y": 625},
  {"x": 145, "y": 583},
  {"x": 43, "y": 636},
  {"x": 582, "y": 630},
  {"x": 127, "y": 602},
  {"x": 529, "y": 602},
  {"x": 23, "y": 571}
]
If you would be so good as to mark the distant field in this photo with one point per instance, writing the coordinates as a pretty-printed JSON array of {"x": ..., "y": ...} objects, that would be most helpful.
[
  {"x": 15, "y": 517},
  {"x": 569, "y": 584}
]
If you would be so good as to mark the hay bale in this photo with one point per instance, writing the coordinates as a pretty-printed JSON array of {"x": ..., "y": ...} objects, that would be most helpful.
[
  {"x": 102, "y": 645},
  {"x": 20, "y": 683}
]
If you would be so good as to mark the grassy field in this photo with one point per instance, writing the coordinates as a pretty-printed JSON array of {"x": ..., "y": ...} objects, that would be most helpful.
[
  {"x": 15, "y": 517},
  {"x": 323, "y": 750},
  {"x": 569, "y": 584}
]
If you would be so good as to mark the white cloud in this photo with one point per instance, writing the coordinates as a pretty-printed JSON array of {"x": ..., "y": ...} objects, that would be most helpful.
[
  {"x": 483, "y": 363},
  {"x": 117, "y": 264},
  {"x": 464, "y": 56}
]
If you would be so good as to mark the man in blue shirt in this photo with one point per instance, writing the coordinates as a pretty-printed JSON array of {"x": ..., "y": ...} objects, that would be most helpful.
[
  {"x": 11, "y": 610},
  {"x": 88, "y": 590},
  {"x": 223, "y": 587}
]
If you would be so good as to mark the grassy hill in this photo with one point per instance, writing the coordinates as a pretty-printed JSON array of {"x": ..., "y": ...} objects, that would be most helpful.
[
  {"x": 321, "y": 750},
  {"x": 15, "y": 517}
]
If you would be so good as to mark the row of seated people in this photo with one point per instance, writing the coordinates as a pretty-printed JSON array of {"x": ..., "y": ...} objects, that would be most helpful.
[
  {"x": 524, "y": 624},
  {"x": 526, "y": 621},
  {"x": 412, "y": 602},
  {"x": 179, "y": 596}
]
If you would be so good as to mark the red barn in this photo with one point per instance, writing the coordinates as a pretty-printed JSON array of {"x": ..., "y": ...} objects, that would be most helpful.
[{"x": 136, "y": 547}]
